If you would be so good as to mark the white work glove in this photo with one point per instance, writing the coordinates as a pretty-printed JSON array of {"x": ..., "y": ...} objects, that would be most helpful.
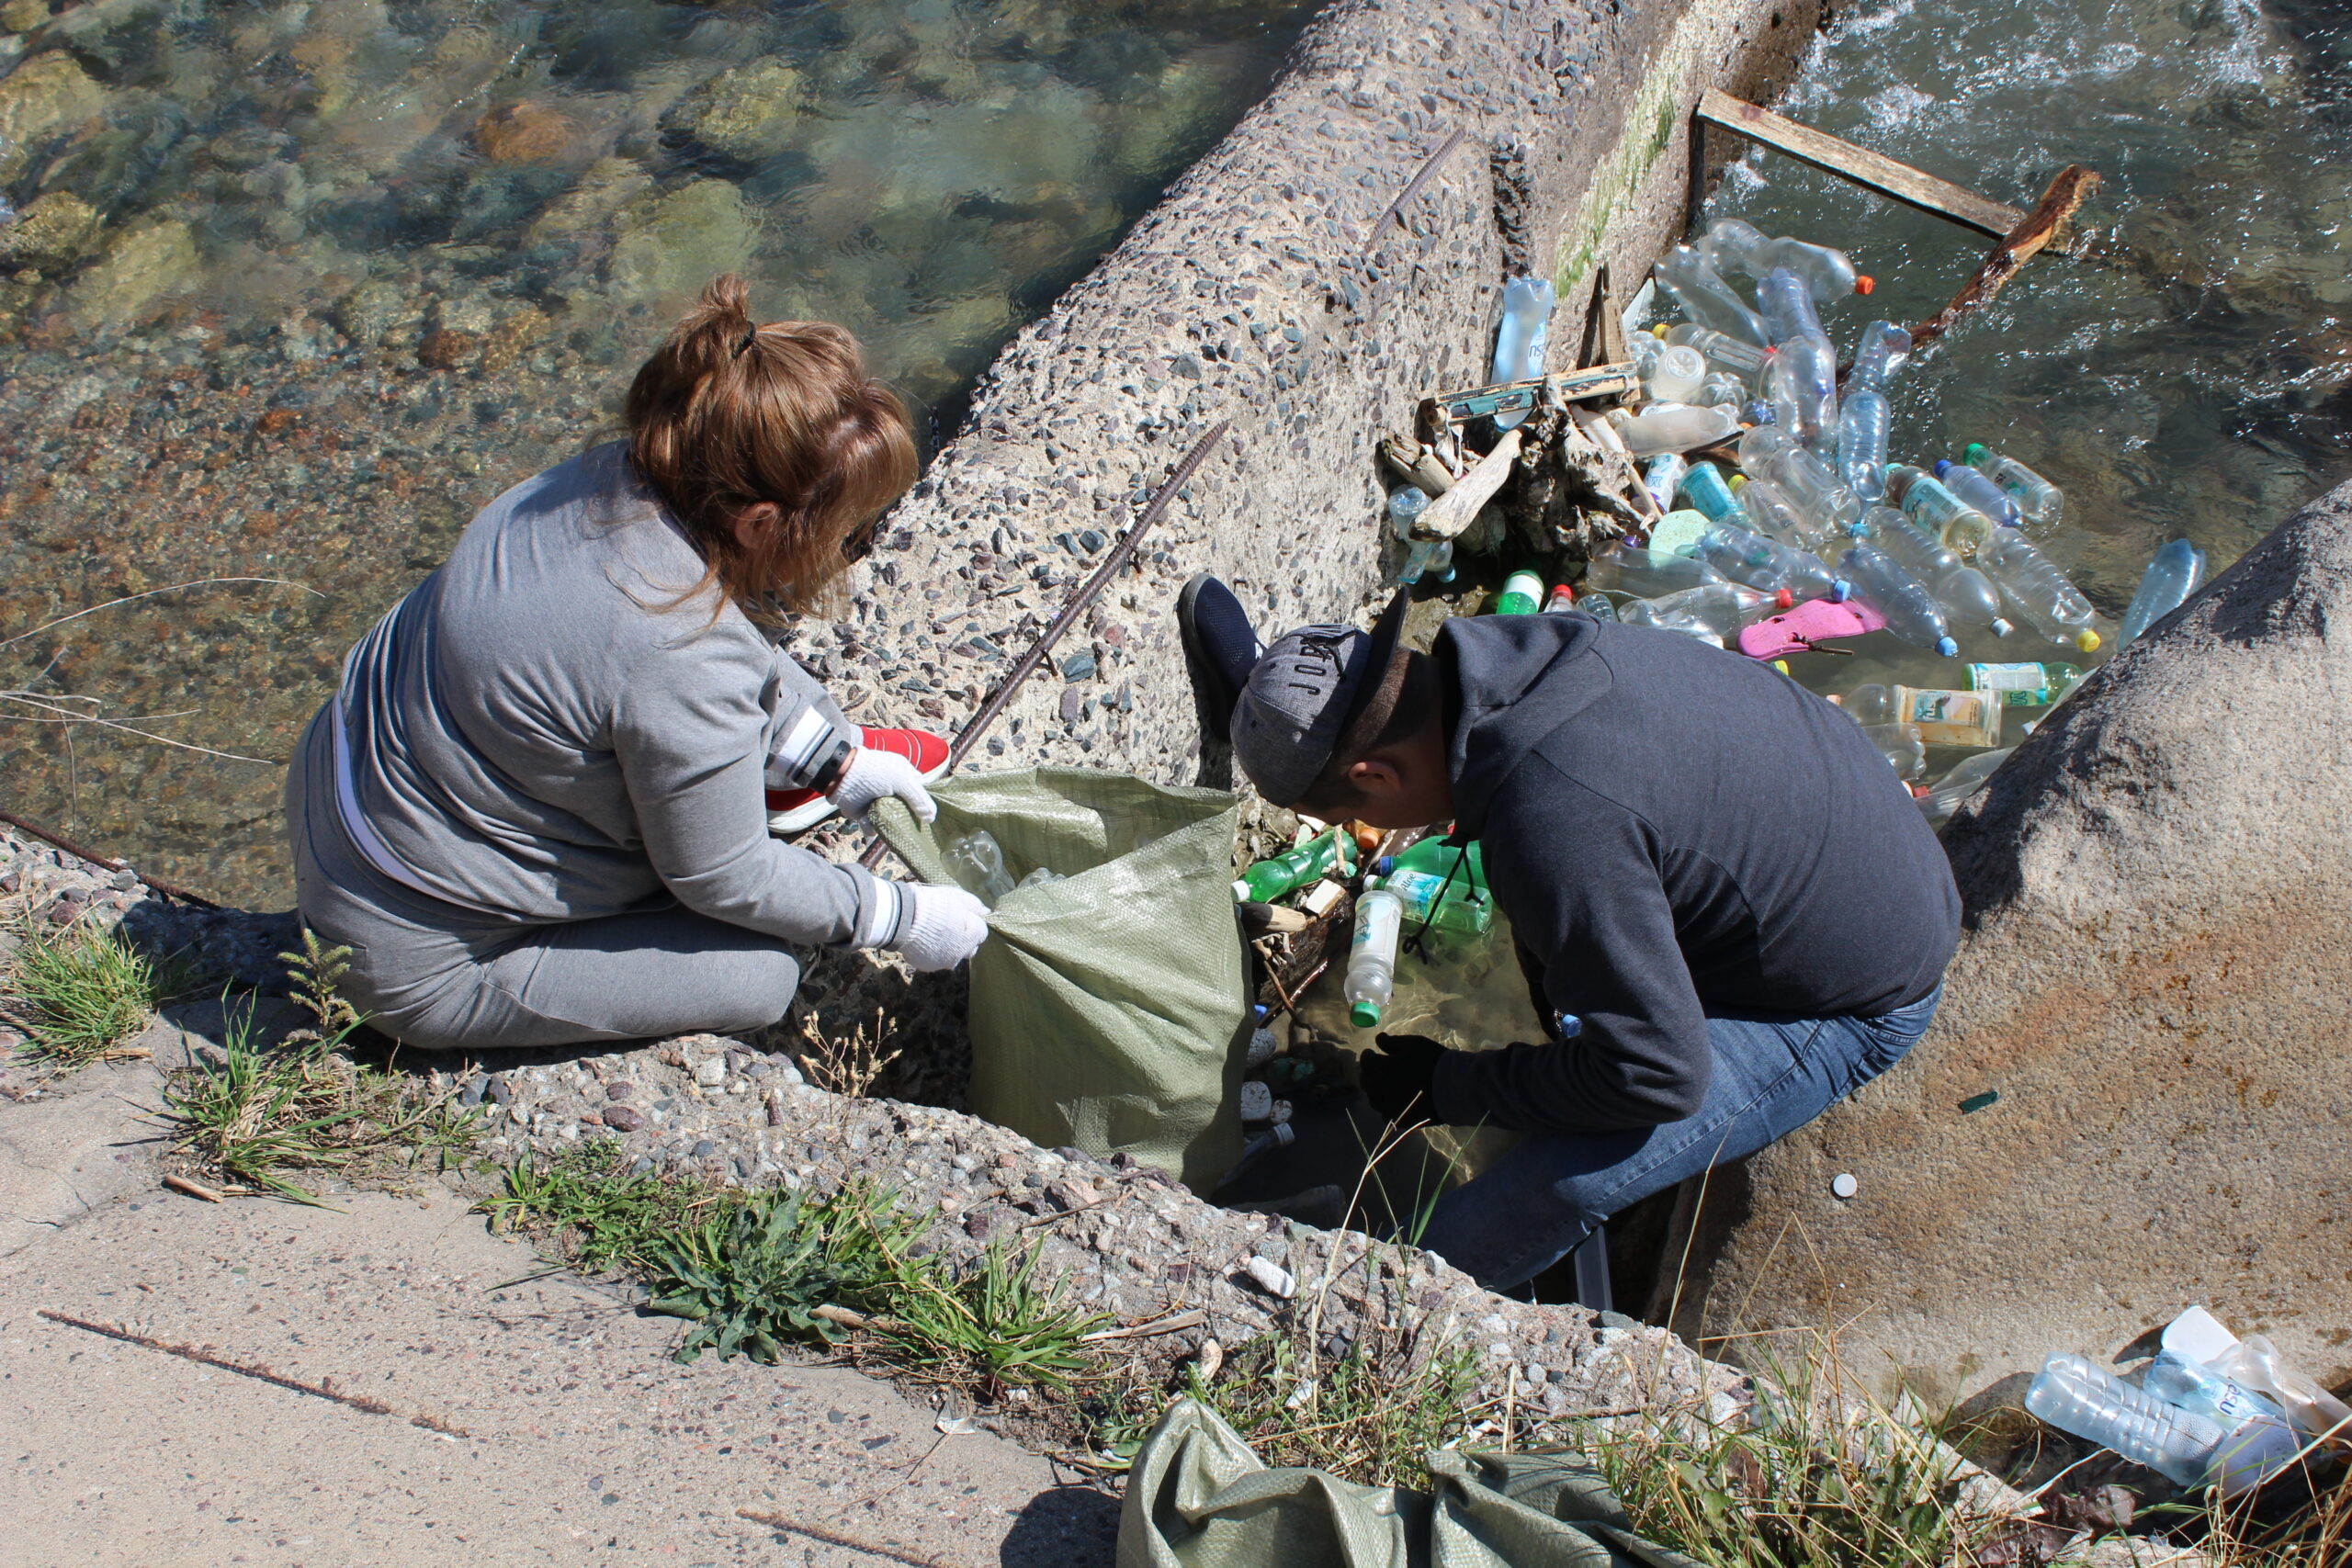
[
  {"x": 870, "y": 775},
  {"x": 946, "y": 927}
]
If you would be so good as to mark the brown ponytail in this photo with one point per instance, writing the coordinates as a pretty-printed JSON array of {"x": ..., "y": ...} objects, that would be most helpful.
[{"x": 727, "y": 414}]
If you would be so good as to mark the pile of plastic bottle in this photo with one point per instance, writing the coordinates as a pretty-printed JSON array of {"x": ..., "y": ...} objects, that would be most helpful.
[
  {"x": 2211, "y": 1409},
  {"x": 1798, "y": 501}
]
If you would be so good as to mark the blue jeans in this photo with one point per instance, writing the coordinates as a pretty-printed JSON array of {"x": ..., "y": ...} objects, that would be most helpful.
[{"x": 1772, "y": 1075}]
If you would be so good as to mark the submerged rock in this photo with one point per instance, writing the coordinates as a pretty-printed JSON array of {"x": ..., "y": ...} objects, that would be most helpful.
[
  {"x": 51, "y": 235},
  {"x": 143, "y": 266},
  {"x": 42, "y": 98},
  {"x": 525, "y": 132},
  {"x": 2157, "y": 886},
  {"x": 678, "y": 241},
  {"x": 747, "y": 112}
]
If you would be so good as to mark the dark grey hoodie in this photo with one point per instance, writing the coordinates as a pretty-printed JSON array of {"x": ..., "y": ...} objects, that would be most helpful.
[{"x": 1675, "y": 832}]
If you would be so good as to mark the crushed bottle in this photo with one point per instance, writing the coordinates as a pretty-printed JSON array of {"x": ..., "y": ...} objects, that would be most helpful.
[
  {"x": 1879, "y": 352},
  {"x": 1520, "y": 338},
  {"x": 1901, "y": 745},
  {"x": 1674, "y": 427},
  {"x": 1629, "y": 569},
  {"x": 1786, "y": 304},
  {"x": 1963, "y": 779}
]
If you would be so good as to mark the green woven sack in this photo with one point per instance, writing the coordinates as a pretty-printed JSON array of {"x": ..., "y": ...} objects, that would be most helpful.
[
  {"x": 1110, "y": 1009},
  {"x": 1198, "y": 1498}
]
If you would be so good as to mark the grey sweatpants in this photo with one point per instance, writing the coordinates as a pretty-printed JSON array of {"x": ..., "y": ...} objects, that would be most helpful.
[{"x": 441, "y": 977}]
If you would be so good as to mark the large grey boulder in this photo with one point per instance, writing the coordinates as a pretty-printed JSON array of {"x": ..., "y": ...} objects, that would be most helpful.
[{"x": 2156, "y": 978}]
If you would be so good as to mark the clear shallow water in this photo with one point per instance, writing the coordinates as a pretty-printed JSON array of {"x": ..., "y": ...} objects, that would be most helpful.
[
  {"x": 2194, "y": 383},
  {"x": 291, "y": 291}
]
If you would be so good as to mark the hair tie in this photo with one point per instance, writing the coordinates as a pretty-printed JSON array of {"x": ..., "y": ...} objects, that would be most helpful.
[{"x": 750, "y": 335}]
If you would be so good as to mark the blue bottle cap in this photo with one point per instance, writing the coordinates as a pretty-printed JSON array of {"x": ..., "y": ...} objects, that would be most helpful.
[
  {"x": 1840, "y": 591},
  {"x": 1942, "y": 464},
  {"x": 1385, "y": 865},
  {"x": 1946, "y": 648}
]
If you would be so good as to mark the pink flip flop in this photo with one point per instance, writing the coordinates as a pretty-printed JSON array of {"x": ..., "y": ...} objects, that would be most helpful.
[{"x": 1817, "y": 620}]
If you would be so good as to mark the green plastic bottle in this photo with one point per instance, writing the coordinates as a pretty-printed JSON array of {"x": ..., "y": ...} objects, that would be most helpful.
[
  {"x": 1522, "y": 594},
  {"x": 2025, "y": 685},
  {"x": 1294, "y": 868}
]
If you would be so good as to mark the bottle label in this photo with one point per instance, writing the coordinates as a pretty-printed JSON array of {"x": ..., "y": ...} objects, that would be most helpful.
[
  {"x": 2019, "y": 685},
  {"x": 1950, "y": 718}
]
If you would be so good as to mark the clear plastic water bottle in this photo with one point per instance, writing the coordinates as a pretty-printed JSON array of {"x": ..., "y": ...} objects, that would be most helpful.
[
  {"x": 2098, "y": 1407},
  {"x": 1786, "y": 304},
  {"x": 1814, "y": 488},
  {"x": 1827, "y": 274},
  {"x": 1773, "y": 514},
  {"x": 1911, "y": 612},
  {"x": 1760, "y": 562},
  {"x": 1675, "y": 427},
  {"x": 1720, "y": 608},
  {"x": 1804, "y": 376},
  {"x": 2040, "y": 591},
  {"x": 1861, "y": 442},
  {"x": 1963, "y": 779},
  {"x": 1924, "y": 499},
  {"x": 2042, "y": 502},
  {"x": 1662, "y": 475},
  {"x": 1595, "y": 603},
  {"x": 1735, "y": 356},
  {"x": 1759, "y": 445},
  {"x": 1979, "y": 493},
  {"x": 1900, "y": 744},
  {"x": 1676, "y": 376},
  {"x": 1706, "y": 299},
  {"x": 1520, "y": 339},
  {"x": 1629, "y": 569},
  {"x": 1702, "y": 486},
  {"x": 1729, "y": 245},
  {"x": 2260, "y": 1439},
  {"x": 1967, "y": 594},
  {"x": 1644, "y": 352},
  {"x": 1879, "y": 352},
  {"x": 1721, "y": 390},
  {"x": 1422, "y": 557},
  {"x": 2171, "y": 576},
  {"x": 975, "y": 860},
  {"x": 1371, "y": 981}
]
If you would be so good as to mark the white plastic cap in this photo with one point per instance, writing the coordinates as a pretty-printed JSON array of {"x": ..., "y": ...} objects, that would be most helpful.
[{"x": 1843, "y": 1185}]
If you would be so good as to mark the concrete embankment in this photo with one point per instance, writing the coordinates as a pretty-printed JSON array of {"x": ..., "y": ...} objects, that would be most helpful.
[{"x": 1272, "y": 290}]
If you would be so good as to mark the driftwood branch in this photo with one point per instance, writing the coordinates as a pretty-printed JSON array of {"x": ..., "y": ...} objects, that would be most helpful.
[
  {"x": 2020, "y": 245},
  {"x": 1451, "y": 513}
]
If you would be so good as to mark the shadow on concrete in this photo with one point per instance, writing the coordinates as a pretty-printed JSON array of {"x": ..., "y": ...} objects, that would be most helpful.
[{"x": 1068, "y": 1526}]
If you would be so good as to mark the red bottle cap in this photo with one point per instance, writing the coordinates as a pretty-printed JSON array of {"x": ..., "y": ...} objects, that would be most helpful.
[
  {"x": 1783, "y": 600},
  {"x": 1864, "y": 283}
]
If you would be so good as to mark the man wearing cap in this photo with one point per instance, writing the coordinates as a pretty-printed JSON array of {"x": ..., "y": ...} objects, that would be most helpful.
[{"x": 1730, "y": 911}]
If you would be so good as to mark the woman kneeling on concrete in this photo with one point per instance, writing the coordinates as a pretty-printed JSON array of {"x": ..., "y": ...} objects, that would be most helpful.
[{"x": 539, "y": 809}]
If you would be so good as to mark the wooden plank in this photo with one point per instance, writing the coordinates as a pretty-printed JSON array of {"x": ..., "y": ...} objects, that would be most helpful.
[
  {"x": 2034, "y": 231},
  {"x": 1873, "y": 171},
  {"x": 1449, "y": 515}
]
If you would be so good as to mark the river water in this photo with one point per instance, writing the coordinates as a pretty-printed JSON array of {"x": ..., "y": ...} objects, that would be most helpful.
[
  {"x": 2192, "y": 380},
  {"x": 289, "y": 290}
]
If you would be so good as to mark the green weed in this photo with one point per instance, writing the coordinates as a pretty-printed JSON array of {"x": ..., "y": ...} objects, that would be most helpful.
[
  {"x": 997, "y": 1320},
  {"x": 1367, "y": 1415},
  {"x": 255, "y": 1111},
  {"x": 604, "y": 1217},
  {"x": 317, "y": 972},
  {"x": 82, "y": 993},
  {"x": 1813, "y": 1479},
  {"x": 754, "y": 1277}
]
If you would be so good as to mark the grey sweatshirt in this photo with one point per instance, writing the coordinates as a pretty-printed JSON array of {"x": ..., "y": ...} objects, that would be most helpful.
[{"x": 538, "y": 731}]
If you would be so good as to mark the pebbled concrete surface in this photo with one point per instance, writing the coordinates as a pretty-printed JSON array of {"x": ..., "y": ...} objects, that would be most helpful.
[{"x": 583, "y": 1442}]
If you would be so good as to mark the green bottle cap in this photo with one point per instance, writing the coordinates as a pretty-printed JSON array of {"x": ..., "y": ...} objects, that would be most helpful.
[
  {"x": 1968, "y": 454},
  {"x": 1365, "y": 1015}
]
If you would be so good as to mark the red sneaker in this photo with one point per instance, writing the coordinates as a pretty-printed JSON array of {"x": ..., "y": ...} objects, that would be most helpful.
[{"x": 791, "y": 810}]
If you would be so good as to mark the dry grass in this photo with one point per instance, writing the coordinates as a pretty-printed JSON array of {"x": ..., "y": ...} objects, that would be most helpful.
[{"x": 848, "y": 1064}]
